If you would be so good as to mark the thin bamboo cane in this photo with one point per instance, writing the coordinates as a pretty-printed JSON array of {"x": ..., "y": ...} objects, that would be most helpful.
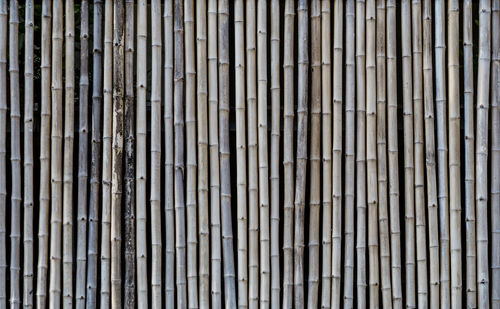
[
  {"x": 360, "y": 156},
  {"x": 442, "y": 146},
  {"x": 28, "y": 273},
  {"x": 350, "y": 111},
  {"x": 129, "y": 299},
  {"x": 95, "y": 169},
  {"x": 202, "y": 131},
  {"x": 3, "y": 150},
  {"x": 239, "y": 67},
  {"x": 483, "y": 92},
  {"x": 213, "y": 111},
  {"x": 141, "y": 165},
  {"x": 315, "y": 158},
  {"x": 224, "y": 155},
  {"x": 15, "y": 159},
  {"x": 56, "y": 156},
  {"x": 430, "y": 157}
]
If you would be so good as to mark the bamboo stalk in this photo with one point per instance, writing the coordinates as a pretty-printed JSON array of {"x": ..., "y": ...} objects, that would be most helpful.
[
  {"x": 224, "y": 156},
  {"x": 3, "y": 149},
  {"x": 350, "y": 111},
  {"x": 15, "y": 159},
  {"x": 315, "y": 158},
  {"x": 430, "y": 157},
  {"x": 28, "y": 271},
  {"x": 483, "y": 92}
]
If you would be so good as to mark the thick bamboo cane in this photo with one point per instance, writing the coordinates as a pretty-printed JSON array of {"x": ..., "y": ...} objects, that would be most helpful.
[
  {"x": 15, "y": 159},
  {"x": 350, "y": 141},
  {"x": 3, "y": 149},
  {"x": 315, "y": 158},
  {"x": 95, "y": 165},
  {"x": 482, "y": 105},
  {"x": 28, "y": 272},
  {"x": 430, "y": 156}
]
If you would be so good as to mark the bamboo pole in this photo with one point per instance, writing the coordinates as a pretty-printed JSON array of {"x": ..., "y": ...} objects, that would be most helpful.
[
  {"x": 350, "y": 111},
  {"x": 315, "y": 158},
  {"x": 3, "y": 150},
  {"x": 28, "y": 272},
  {"x": 95, "y": 166},
  {"x": 430, "y": 157},
  {"x": 483, "y": 92},
  {"x": 15, "y": 159},
  {"x": 392, "y": 149}
]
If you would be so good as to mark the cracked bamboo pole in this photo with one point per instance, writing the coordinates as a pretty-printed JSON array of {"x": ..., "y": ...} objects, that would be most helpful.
[{"x": 3, "y": 146}]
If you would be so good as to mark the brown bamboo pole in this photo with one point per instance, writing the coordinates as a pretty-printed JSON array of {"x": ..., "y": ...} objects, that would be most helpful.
[
  {"x": 315, "y": 158},
  {"x": 3, "y": 151},
  {"x": 28, "y": 272},
  {"x": 430, "y": 156},
  {"x": 482, "y": 105}
]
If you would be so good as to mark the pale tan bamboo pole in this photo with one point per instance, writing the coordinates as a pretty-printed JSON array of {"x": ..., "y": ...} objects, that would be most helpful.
[
  {"x": 202, "y": 133},
  {"x": 314, "y": 159},
  {"x": 383, "y": 213},
  {"x": 430, "y": 156},
  {"x": 360, "y": 156},
  {"x": 213, "y": 132},
  {"x": 15, "y": 298},
  {"x": 350, "y": 142},
  {"x": 442, "y": 146},
  {"x": 482, "y": 106},
  {"x": 105, "y": 298},
  {"x": 28, "y": 274},
  {"x": 3, "y": 150},
  {"x": 141, "y": 165},
  {"x": 326, "y": 153},
  {"x": 288, "y": 157},
  {"x": 275, "y": 154},
  {"x": 56, "y": 156}
]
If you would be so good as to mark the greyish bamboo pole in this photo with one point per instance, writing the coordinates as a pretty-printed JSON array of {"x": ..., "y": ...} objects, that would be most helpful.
[
  {"x": 3, "y": 148},
  {"x": 28, "y": 272},
  {"x": 442, "y": 146},
  {"x": 482, "y": 105},
  {"x": 315, "y": 158},
  {"x": 392, "y": 149},
  {"x": 350, "y": 142},
  {"x": 56, "y": 156},
  {"x": 430, "y": 157},
  {"x": 15, "y": 158}
]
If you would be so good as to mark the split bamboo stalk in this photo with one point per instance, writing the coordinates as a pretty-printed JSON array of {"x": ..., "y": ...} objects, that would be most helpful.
[
  {"x": 155, "y": 197},
  {"x": 129, "y": 299},
  {"x": 81, "y": 247},
  {"x": 15, "y": 159},
  {"x": 253, "y": 180},
  {"x": 95, "y": 165},
  {"x": 3, "y": 149},
  {"x": 239, "y": 67},
  {"x": 275, "y": 153},
  {"x": 392, "y": 149},
  {"x": 56, "y": 156},
  {"x": 326, "y": 144},
  {"x": 224, "y": 156},
  {"x": 430, "y": 157},
  {"x": 106, "y": 158},
  {"x": 213, "y": 136},
  {"x": 371, "y": 154},
  {"x": 202, "y": 133},
  {"x": 360, "y": 156},
  {"x": 350, "y": 111},
  {"x": 28, "y": 272},
  {"x": 315, "y": 158},
  {"x": 483, "y": 92},
  {"x": 470, "y": 212},
  {"x": 141, "y": 165},
  {"x": 180, "y": 217},
  {"x": 442, "y": 146},
  {"x": 383, "y": 213}
]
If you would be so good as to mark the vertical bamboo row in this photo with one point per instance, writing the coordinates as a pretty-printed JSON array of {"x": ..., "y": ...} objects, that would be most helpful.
[{"x": 3, "y": 150}]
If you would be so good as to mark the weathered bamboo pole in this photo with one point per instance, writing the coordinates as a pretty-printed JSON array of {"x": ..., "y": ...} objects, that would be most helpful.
[
  {"x": 315, "y": 158},
  {"x": 15, "y": 158},
  {"x": 3, "y": 149},
  {"x": 430, "y": 157},
  {"x": 482, "y": 106},
  {"x": 28, "y": 272}
]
